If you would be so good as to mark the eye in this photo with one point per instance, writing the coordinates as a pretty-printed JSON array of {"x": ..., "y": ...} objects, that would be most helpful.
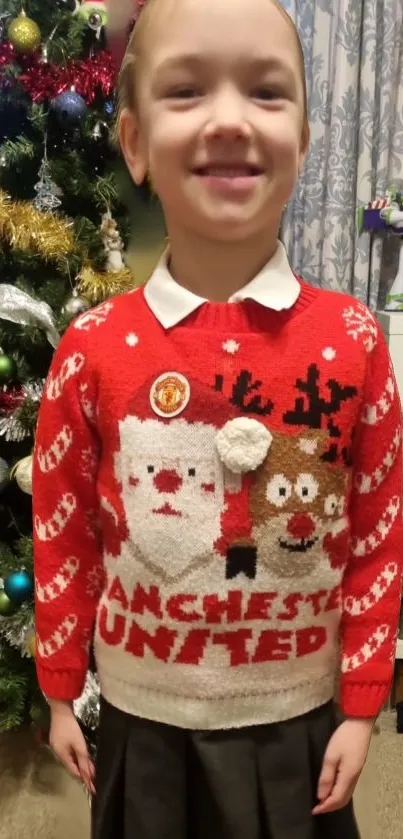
[
  {"x": 306, "y": 488},
  {"x": 278, "y": 490},
  {"x": 266, "y": 93},
  {"x": 150, "y": 470},
  {"x": 331, "y": 504},
  {"x": 184, "y": 92},
  {"x": 192, "y": 473}
]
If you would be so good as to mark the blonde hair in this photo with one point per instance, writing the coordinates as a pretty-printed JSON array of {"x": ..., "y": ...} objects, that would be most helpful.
[{"x": 127, "y": 87}]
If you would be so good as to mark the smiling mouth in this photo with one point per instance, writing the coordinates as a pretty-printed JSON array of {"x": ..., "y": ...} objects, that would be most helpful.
[
  {"x": 167, "y": 510},
  {"x": 299, "y": 547},
  {"x": 233, "y": 170}
]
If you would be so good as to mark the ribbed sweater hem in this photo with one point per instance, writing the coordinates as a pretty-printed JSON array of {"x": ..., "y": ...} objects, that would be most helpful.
[{"x": 209, "y": 713}]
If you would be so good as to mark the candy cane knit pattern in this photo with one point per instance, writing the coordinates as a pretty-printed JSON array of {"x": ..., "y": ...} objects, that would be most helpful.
[{"x": 220, "y": 505}]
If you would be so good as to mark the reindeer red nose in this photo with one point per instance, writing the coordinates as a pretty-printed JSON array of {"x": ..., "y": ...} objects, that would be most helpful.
[
  {"x": 301, "y": 526},
  {"x": 168, "y": 480}
]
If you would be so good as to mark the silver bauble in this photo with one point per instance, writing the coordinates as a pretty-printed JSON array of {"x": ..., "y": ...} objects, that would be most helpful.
[{"x": 75, "y": 306}]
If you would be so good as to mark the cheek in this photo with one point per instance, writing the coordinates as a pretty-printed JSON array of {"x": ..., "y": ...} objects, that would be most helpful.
[{"x": 283, "y": 136}]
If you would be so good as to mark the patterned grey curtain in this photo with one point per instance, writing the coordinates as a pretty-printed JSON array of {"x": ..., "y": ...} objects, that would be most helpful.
[{"x": 354, "y": 60}]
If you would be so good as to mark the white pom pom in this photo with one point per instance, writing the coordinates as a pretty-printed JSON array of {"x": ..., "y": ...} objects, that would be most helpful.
[{"x": 243, "y": 444}]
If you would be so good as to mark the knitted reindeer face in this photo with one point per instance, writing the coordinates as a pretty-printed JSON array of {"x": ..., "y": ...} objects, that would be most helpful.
[{"x": 297, "y": 506}]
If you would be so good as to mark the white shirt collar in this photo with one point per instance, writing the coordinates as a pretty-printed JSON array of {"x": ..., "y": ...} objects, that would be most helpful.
[{"x": 274, "y": 287}]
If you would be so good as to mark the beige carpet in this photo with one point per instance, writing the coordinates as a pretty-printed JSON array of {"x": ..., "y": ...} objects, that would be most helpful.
[{"x": 39, "y": 801}]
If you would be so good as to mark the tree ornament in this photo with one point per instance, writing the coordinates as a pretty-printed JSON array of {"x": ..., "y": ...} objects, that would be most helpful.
[
  {"x": 100, "y": 132},
  {"x": 4, "y": 474},
  {"x": 8, "y": 369},
  {"x": 30, "y": 643},
  {"x": 112, "y": 243},
  {"x": 75, "y": 306},
  {"x": 47, "y": 192},
  {"x": 24, "y": 34},
  {"x": 7, "y": 607},
  {"x": 69, "y": 108},
  {"x": 19, "y": 587},
  {"x": 22, "y": 472},
  {"x": 95, "y": 13}
]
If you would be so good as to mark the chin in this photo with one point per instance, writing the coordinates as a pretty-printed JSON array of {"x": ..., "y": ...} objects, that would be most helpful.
[{"x": 229, "y": 229}]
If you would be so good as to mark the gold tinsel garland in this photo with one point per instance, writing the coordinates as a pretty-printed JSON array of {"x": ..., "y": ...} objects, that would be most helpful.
[
  {"x": 26, "y": 228},
  {"x": 97, "y": 286}
]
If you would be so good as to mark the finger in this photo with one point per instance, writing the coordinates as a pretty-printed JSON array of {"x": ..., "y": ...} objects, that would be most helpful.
[
  {"x": 91, "y": 771},
  {"x": 84, "y": 767},
  {"x": 340, "y": 795},
  {"x": 67, "y": 759},
  {"x": 327, "y": 778}
]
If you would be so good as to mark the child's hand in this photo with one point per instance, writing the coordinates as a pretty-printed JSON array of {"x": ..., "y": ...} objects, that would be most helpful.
[
  {"x": 68, "y": 743},
  {"x": 343, "y": 763}
]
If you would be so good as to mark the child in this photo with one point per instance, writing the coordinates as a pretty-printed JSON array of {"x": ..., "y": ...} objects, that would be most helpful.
[{"x": 218, "y": 473}]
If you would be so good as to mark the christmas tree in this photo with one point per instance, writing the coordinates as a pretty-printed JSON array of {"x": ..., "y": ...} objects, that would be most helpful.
[{"x": 62, "y": 235}]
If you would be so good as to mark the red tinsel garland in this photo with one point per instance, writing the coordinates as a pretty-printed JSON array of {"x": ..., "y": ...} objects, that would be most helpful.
[
  {"x": 7, "y": 53},
  {"x": 43, "y": 81},
  {"x": 11, "y": 399}
]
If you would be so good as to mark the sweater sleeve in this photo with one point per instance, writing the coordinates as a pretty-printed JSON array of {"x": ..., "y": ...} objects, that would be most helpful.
[
  {"x": 372, "y": 581},
  {"x": 67, "y": 551}
]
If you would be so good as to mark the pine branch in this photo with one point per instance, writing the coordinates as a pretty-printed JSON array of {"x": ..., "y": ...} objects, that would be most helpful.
[
  {"x": 105, "y": 191},
  {"x": 17, "y": 151}
]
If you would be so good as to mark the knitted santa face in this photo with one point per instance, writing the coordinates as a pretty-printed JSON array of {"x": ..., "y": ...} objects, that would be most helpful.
[{"x": 171, "y": 475}]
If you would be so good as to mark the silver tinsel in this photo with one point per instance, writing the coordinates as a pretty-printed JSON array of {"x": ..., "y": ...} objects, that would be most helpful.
[
  {"x": 14, "y": 629},
  {"x": 18, "y": 307},
  {"x": 10, "y": 426},
  {"x": 4, "y": 473},
  {"x": 86, "y": 707}
]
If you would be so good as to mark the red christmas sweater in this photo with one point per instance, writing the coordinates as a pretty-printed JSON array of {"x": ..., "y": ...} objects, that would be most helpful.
[{"x": 218, "y": 507}]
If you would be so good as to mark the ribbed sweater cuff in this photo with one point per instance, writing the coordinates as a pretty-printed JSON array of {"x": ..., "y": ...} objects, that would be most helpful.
[
  {"x": 363, "y": 699},
  {"x": 65, "y": 685}
]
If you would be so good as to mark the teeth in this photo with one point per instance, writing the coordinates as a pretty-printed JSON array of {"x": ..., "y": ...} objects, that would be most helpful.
[{"x": 229, "y": 173}]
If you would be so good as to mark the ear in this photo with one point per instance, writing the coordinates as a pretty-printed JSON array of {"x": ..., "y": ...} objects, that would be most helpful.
[{"x": 133, "y": 145}]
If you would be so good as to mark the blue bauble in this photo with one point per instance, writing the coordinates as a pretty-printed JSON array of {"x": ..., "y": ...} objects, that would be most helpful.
[
  {"x": 19, "y": 587},
  {"x": 69, "y": 107},
  {"x": 109, "y": 108}
]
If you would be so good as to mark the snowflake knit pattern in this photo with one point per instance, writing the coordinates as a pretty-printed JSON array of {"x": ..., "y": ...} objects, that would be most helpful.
[{"x": 218, "y": 507}]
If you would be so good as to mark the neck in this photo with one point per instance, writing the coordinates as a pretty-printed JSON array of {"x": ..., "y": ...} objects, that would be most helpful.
[{"x": 217, "y": 270}]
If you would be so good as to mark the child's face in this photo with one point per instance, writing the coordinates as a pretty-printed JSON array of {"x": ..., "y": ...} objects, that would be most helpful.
[{"x": 220, "y": 121}]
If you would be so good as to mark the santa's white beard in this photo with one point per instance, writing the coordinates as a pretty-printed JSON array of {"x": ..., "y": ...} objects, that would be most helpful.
[{"x": 174, "y": 543}]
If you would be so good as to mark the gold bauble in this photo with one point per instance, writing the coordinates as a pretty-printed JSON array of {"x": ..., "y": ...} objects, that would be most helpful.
[
  {"x": 24, "y": 34},
  {"x": 30, "y": 643}
]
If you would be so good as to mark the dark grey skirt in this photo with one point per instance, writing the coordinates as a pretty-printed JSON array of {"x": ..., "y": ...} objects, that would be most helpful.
[{"x": 154, "y": 781}]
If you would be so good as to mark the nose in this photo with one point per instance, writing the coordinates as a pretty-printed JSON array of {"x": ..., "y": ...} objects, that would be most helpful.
[
  {"x": 168, "y": 480},
  {"x": 228, "y": 116},
  {"x": 301, "y": 526}
]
